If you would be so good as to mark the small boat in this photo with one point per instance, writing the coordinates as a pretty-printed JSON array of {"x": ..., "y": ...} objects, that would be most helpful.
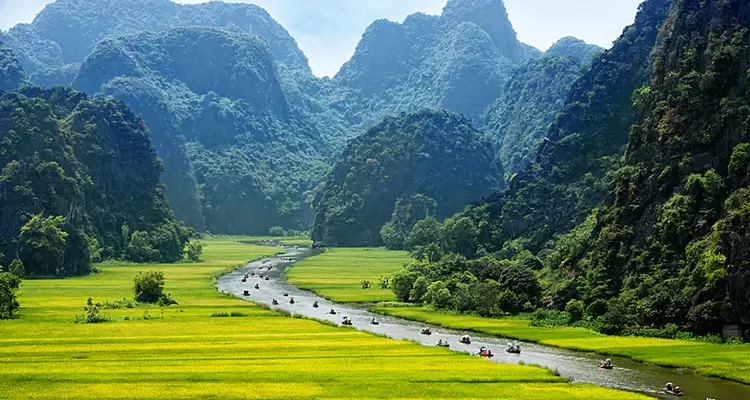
[
  {"x": 673, "y": 393},
  {"x": 246, "y": 293},
  {"x": 514, "y": 348},
  {"x": 332, "y": 312},
  {"x": 268, "y": 279},
  {"x": 286, "y": 294},
  {"x": 465, "y": 339},
  {"x": 257, "y": 286},
  {"x": 275, "y": 302},
  {"x": 291, "y": 301},
  {"x": 673, "y": 390},
  {"x": 426, "y": 331},
  {"x": 606, "y": 364},
  {"x": 252, "y": 274},
  {"x": 374, "y": 322},
  {"x": 244, "y": 280},
  {"x": 485, "y": 352},
  {"x": 441, "y": 343},
  {"x": 346, "y": 321},
  {"x": 316, "y": 305}
]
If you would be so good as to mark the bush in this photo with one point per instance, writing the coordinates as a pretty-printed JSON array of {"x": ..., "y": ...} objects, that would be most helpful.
[
  {"x": 419, "y": 289},
  {"x": 194, "y": 250},
  {"x": 149, "y": 286},
  {"x": 576, "y": 310},
  {"x": 9, "y": 284},
  {"x": 93, "y": 315},
  {"x": 597, "y": 308},
  {"x": 549, "y": 318},
  {"x": 166, "y": 300},
  {"x": 17, "y": 268},
  {"x": 140, "y": 250},
  {"x": 276, "y": 231}
]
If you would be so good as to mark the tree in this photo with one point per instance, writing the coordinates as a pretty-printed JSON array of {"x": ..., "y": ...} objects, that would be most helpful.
[
  {"x": 438, "y": 294},
  {"x": 424, "y": 233},
  {"x": 486, "y": 296},
  {"x": 139, "y": 249},
  {"x": 402, "y": 283},
  {"x": 276, "y": 231},
  {"x": 418, "y": 290},
  {"x": 576, "y": 309},
  {"x": 9, "y": 284},
  {"x": 149, "y": 286},
  {"x": 460, "y": 236},
  {"x": 42, "y": 245},
  {"x": 17, "y": 268},
  {"x": 194, "y": 250}
]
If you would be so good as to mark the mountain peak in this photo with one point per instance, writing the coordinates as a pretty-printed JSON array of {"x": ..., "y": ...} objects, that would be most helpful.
[
  {"x": 574, "y": 47},
  {"x": 492, "y": 17}
]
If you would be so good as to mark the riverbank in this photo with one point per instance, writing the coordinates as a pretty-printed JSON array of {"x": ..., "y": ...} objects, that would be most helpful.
[
  {"x": 217, "y": 346},
  {"x": 724, "y": 361}
]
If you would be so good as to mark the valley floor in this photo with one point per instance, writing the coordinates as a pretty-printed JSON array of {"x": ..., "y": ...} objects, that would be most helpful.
[
  {"x": 336, "y": 274},
  {"x": 185, "y": 353}
]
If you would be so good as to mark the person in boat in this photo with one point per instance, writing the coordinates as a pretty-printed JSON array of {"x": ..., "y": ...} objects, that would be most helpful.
[
  {"x": 286, "y": 294},
  {"x": 332, "y": 312},
  {"x": 275, "y": 302},
  {"x": 374, "y": 321},
  {"x": 677, "y": 390},
  {"x": 440, "y": 342}
]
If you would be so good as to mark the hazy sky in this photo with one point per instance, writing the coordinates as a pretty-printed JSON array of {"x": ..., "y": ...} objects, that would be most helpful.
[{"x": 328, "y": 30}]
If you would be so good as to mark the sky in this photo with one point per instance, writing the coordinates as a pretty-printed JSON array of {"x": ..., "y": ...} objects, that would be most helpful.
[{"x": 328, "y": 30}]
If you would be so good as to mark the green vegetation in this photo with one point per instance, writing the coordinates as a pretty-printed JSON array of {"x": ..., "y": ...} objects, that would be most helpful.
[
  {"x": 519, "y": 120},
  {"x": 671, "y": 245},
  {"x": 721, "y": 360},
  {"x": 185, "y": 353},
  {"x": 337, "y": 274},
  {"x": 11, "y": 72},
  {"x": 431, "y": 155},
  {"x": 77, "y": 175},
  {"x": 242, "y": 151}
]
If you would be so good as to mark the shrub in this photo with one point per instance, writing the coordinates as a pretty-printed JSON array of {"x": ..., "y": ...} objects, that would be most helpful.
[
  {"x": 194, "y": 250},
  {"x": 576, "y": 310},
  {"x": 17, "y": 268},
  {"x": 149, "y": 286},
  {"x": 93, "y": 314},
  {"x": 9, "y": 284},
  {"x": 276, "y": 231}
]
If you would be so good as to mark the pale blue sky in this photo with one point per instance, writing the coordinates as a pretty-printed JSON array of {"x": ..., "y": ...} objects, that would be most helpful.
[{"x": 328, "y": 30}]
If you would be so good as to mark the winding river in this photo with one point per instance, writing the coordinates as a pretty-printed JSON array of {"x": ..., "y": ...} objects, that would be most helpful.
[{"x": 577, "y": 366}]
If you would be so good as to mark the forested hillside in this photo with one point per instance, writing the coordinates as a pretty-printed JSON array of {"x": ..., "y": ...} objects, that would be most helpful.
[
  {"x": 430, "y": 162},
  {"x": 570, "y": 174},
  {"x": 66, "y": 31},
  {"x": 80, "y": 182},
  {"x": 11, "y": 72},
  {"x": 671, "y": 245},
  {"x": 459, "y": 61},
  {"x": 519, "y": 120},
  {"x": 241, "y": 154}
]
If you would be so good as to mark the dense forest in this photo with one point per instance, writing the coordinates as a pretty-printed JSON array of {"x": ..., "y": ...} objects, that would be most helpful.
[
  {"x": 240, "y": 155},
  {"x": 80, "y": 183},
  {"x": 429, "y": 156},
  {"x": 519, "y": 120},
  {"x": 245, "y": 141}
]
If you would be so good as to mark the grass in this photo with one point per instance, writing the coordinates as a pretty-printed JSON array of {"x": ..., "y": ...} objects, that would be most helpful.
[
  {"x": 719, "y": 360},
  {"x": 189, "y": 354},
  {"x": 287, "y": 240},
  {"x": 337, "y": 274}
]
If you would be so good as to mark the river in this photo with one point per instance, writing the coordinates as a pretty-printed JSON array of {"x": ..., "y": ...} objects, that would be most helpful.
[{"x": 576, "y": 366}]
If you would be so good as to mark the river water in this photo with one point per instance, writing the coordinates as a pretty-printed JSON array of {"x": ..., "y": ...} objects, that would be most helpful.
[{"x": 577, "y": 366}]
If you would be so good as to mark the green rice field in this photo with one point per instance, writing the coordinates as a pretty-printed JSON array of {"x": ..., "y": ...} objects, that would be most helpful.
[
  {"x": 720, "y": 360},
  {"x": 183, "y": 352},
  {"x": 337, "y": 274}
]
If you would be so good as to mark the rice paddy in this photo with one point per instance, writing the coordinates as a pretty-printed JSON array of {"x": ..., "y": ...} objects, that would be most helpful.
[
  {"x": 720, "y": 360},
  {"x": 338, "y": 273},
  {"x": 182, "y": 352}
]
